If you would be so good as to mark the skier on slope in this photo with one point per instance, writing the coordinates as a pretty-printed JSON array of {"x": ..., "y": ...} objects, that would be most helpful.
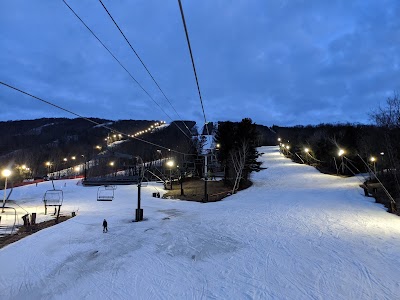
[{"x": 105, "y": 229}]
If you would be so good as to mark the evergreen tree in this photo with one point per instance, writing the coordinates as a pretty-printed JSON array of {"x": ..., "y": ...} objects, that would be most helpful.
[
  {"x": 234, "y": 138},
  {"x": 247, "y": 132},
  {"x": 225, "y": 137}
]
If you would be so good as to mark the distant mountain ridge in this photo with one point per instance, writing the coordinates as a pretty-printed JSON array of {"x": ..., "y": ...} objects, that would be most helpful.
[{"x": 32, "y": 143}]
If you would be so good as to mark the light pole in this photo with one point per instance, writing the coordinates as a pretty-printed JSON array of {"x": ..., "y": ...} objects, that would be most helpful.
[
  {"x": 287, "y": 148},
  {"x": 341, "y": 154},
  {"x": 5, "y": 173},
  {"x": 205, "y": 177},
  {"x": 48, "y": 165},
  {"x": 139, "y": 210},
  {"x": 180, "y": 179},
  {"x": 170, "y": 164},
  {"x": 382, "y": 163},
  {"x": 112, "y": 167},
  {"x": 160, "y": 156},
  {"x": 373, "y": 161},
  {"x": 307, "y": 151},
  {"x": 77, "y": 169}
]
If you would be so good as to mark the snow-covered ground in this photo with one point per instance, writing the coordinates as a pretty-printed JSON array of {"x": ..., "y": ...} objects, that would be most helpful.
[{"x": 295, "y": 234}]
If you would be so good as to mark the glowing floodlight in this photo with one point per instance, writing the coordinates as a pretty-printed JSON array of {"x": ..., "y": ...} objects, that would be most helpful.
[{"x": 6, "y": 173}]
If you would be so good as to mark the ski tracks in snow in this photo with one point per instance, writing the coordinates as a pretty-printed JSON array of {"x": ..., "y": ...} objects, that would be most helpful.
[{"x": 295, "y": 234}]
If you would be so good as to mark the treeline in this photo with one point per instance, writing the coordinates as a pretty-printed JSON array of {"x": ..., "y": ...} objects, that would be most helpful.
[
  {"x": 320, "y": 146},
  {"x": 26, "y": 146},
  {"x": 349, "y": 149},
  {"x": 236, "y": 151}
]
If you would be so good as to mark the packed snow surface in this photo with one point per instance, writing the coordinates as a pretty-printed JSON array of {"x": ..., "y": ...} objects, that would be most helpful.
[{"x": 295, "y": 234}]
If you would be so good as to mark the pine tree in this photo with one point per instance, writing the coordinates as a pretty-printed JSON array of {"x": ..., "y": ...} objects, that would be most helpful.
[{"x": 237, "y": 151}]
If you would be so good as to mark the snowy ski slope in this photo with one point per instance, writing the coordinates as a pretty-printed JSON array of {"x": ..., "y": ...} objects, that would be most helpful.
[{"x": 295, "y": 234}]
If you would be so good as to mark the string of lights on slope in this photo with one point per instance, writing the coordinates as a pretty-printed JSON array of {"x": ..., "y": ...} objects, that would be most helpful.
[
  {"x": 126, "y": 70},
  {"x": 89, "y": 120},
  {"x": 150, "y": 129},
  {"x": 104, "y": 126},
  {"x": 370, "y": 163},
  {"x": 284, "y": 148}
]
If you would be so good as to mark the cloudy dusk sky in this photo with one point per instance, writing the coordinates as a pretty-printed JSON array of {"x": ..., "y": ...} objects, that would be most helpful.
[{"x": 275, "y": 61}]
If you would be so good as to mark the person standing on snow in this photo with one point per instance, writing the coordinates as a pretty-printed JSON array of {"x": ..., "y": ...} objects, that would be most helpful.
[{"x": 105, "y": 229}]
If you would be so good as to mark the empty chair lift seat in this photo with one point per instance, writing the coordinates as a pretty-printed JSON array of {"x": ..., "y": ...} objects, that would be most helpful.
[{"x": 106, "y": 193}]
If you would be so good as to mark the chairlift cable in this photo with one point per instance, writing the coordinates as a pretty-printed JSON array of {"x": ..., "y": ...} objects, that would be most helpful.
[
  {"x": 119, "y": 62},
  {"x": 143, "y": 64},
  {"x": 193, "y": 65},
  {"x": 383, "y": 187},
  {"x": 21, "y": 207},
  {"x": 355, "y": 175},
  {"x": 351, "y": 162},
  {"x": 315, "y": 158},
  {"x": 87, "y": 119}
]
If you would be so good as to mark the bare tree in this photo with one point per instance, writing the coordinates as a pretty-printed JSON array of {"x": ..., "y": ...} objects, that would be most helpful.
[
  {"x": 388, "y": 116},
  {"x": 238, "y": 157}
]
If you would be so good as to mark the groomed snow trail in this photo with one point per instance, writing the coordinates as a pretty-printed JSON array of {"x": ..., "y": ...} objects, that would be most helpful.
[{"x": 295, "y": 234}]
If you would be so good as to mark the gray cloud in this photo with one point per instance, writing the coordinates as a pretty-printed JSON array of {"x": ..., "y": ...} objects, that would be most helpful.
[{"x": 278, "y": 62}]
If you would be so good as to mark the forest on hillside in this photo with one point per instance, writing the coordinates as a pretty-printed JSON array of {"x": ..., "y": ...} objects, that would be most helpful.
[
  {"x": 48, "y": 145},
  {"x": 61, "y": 142},
  {"x": 349, "y": 149},
  {"x": 35, "y": 148}
]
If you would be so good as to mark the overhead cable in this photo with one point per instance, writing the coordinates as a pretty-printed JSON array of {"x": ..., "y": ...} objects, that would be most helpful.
[
  {"x": 141, "y": 61},
  {"x": 119, "y": 62},
  {"x": 193, "y": 65},
  {"x": 87, "y": 119}
]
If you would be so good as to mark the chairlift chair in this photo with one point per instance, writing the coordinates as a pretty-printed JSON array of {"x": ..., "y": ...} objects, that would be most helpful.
[
  {"x": 106, "y": 192},
  {"x": 53, "y": 198},
  {"x": 7, "y": 229}
]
